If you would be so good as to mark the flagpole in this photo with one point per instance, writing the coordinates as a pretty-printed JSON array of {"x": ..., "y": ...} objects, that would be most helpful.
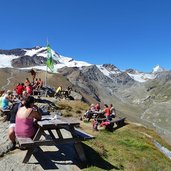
[
  {"x": 46, "y": 68},
  {"x": 46, "y": 77}
]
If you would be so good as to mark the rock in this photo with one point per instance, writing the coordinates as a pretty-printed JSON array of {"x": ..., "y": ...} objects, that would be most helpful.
[{"x": 76, "y": 96}]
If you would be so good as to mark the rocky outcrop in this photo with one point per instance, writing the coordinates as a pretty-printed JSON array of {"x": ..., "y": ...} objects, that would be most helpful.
[
  {"x": 27, "y": 61},
  {"x": 16, "y": 52},
  {"x": 76, "y": 96},
  {"x": 123, "y": 79},
  {"x": 111, "y": 67}
]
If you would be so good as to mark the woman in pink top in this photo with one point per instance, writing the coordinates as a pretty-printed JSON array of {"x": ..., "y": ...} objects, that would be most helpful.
[
  {"x": 26, "y": 115},
  {"x": 29, "y": 89}
]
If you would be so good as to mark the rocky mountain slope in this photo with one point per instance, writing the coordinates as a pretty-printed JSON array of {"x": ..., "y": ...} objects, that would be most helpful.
[{"x": 144, "y": 97}]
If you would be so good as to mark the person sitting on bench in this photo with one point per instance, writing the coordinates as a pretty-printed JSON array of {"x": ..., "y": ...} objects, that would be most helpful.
[
  {"x": 112, "y": 111},
  {"x": 40, "y": 84},
  {"x": 13, "y": 112},
  {"x": 58, "y": 92},
  {"x": 6, "y": 99},
  {"x": 25, "y": 119},
  {"x": 35, "y": 84}
]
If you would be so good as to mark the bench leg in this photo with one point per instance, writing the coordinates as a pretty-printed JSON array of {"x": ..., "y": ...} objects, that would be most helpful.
[
  {"x": 80, "y": 151},
  {"x": 28, "y": 155}
]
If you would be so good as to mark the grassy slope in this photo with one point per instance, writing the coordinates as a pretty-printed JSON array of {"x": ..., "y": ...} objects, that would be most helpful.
[{"x": 128, "y": 148}]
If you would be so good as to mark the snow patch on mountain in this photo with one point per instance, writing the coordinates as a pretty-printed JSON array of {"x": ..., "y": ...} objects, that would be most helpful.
[
  {"x": 142, "y": 77},
  {"x": 103, "y": 70},
  {"x": 5, "y": 60},
  {"x": 32, "y": 52},
  {"x": 73, "y": 63},
  {"x": 157, "y": 69},
  {"x": 106, "y": 72}
]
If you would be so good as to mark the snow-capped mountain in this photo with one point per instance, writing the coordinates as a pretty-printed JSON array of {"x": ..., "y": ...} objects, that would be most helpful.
[
  {"x": 142, "y": 77},
  {"x": 36, "y": 57},
  {"x": 158, "y": 69}
]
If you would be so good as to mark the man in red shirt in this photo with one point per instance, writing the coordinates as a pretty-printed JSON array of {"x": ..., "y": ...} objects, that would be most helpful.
[{"x": 19, "y": 89}]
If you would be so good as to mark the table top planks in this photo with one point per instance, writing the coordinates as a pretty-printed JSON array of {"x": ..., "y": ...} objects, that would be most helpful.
[{"x": 53, "y": 122}]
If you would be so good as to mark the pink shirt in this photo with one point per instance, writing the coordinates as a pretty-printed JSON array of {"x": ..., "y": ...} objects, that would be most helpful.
[
  {"x": 29, "y": 89},
  {"x": 24, "y": 127}
]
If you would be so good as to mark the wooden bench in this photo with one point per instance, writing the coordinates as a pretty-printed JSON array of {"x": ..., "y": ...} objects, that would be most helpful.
[
  {"x": 38, "y": 92},
  {"x": 83, "y": 135},
  {"x": 119, "y": 122},
  {"x": 25, "y": 142},
  {"x": 6, "y": 114},
  {"x": 3, "y": 112},
  {"x": 31, "y": 145},
  {"x": 110, "y": 124}
]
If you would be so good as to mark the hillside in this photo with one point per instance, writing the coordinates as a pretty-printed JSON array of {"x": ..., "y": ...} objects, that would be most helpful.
[{"x": 129, "y": 148}]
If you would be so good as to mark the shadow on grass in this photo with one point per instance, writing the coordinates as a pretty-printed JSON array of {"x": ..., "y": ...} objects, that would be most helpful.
[
  {"x": 112, "y": 128},
  {"x": 94, "y": 159},
  {"x": 119, "y": 126},
  {"x": 66, "y": 156}
]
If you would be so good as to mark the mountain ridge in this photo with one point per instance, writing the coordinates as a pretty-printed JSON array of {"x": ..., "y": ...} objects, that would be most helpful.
[{"x": 36, "y": 57}]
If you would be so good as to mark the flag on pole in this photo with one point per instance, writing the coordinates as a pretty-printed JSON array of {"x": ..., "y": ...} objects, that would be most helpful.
[{"x": 49, "y": 61}]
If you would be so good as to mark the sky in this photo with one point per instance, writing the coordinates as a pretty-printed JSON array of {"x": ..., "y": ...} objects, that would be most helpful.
[{"x": 127, "y": 33}]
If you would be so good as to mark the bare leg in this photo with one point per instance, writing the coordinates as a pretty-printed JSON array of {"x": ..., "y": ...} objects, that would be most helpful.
[{"x": 11, "y": 134}]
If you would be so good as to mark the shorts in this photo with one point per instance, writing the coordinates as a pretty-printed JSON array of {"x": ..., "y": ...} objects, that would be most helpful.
[{"x": 12, "y": 125}]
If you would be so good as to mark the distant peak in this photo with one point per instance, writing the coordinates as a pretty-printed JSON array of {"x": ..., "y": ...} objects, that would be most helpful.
[
  {"x": 110, "y": 67},
  {"x": 158, "y": 68}
]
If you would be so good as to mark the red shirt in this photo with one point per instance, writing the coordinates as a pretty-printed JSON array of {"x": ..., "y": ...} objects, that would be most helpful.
[
  {"x": 19, "y": 89},
  {"x": 107, "y": 111}
]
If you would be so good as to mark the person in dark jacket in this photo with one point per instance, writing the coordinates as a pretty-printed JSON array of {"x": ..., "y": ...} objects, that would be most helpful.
[{"x": 13, "y": 112}]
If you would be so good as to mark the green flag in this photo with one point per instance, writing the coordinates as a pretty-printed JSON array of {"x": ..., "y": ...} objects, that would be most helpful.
[{"x": 49, "y": 61}]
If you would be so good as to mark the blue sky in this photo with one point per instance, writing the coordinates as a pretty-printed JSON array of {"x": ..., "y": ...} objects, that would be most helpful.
[{"x": 127, "y": 33}]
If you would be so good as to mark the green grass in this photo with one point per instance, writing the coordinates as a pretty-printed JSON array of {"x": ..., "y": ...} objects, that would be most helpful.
[
  {"x": 129, "y": 148},
  {"x": 126, "y": 148},
  {"x": 72, "y": 108}
]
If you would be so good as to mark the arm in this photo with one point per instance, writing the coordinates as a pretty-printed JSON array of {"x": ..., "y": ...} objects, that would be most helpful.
[{"x": 36, "y": 114}]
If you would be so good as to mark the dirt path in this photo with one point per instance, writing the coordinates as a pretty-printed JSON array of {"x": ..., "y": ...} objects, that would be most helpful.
[{"x": 8, "y": 81}]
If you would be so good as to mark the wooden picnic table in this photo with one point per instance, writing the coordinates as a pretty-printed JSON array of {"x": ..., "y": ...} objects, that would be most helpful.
[{"x": 51, "y": 128}]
